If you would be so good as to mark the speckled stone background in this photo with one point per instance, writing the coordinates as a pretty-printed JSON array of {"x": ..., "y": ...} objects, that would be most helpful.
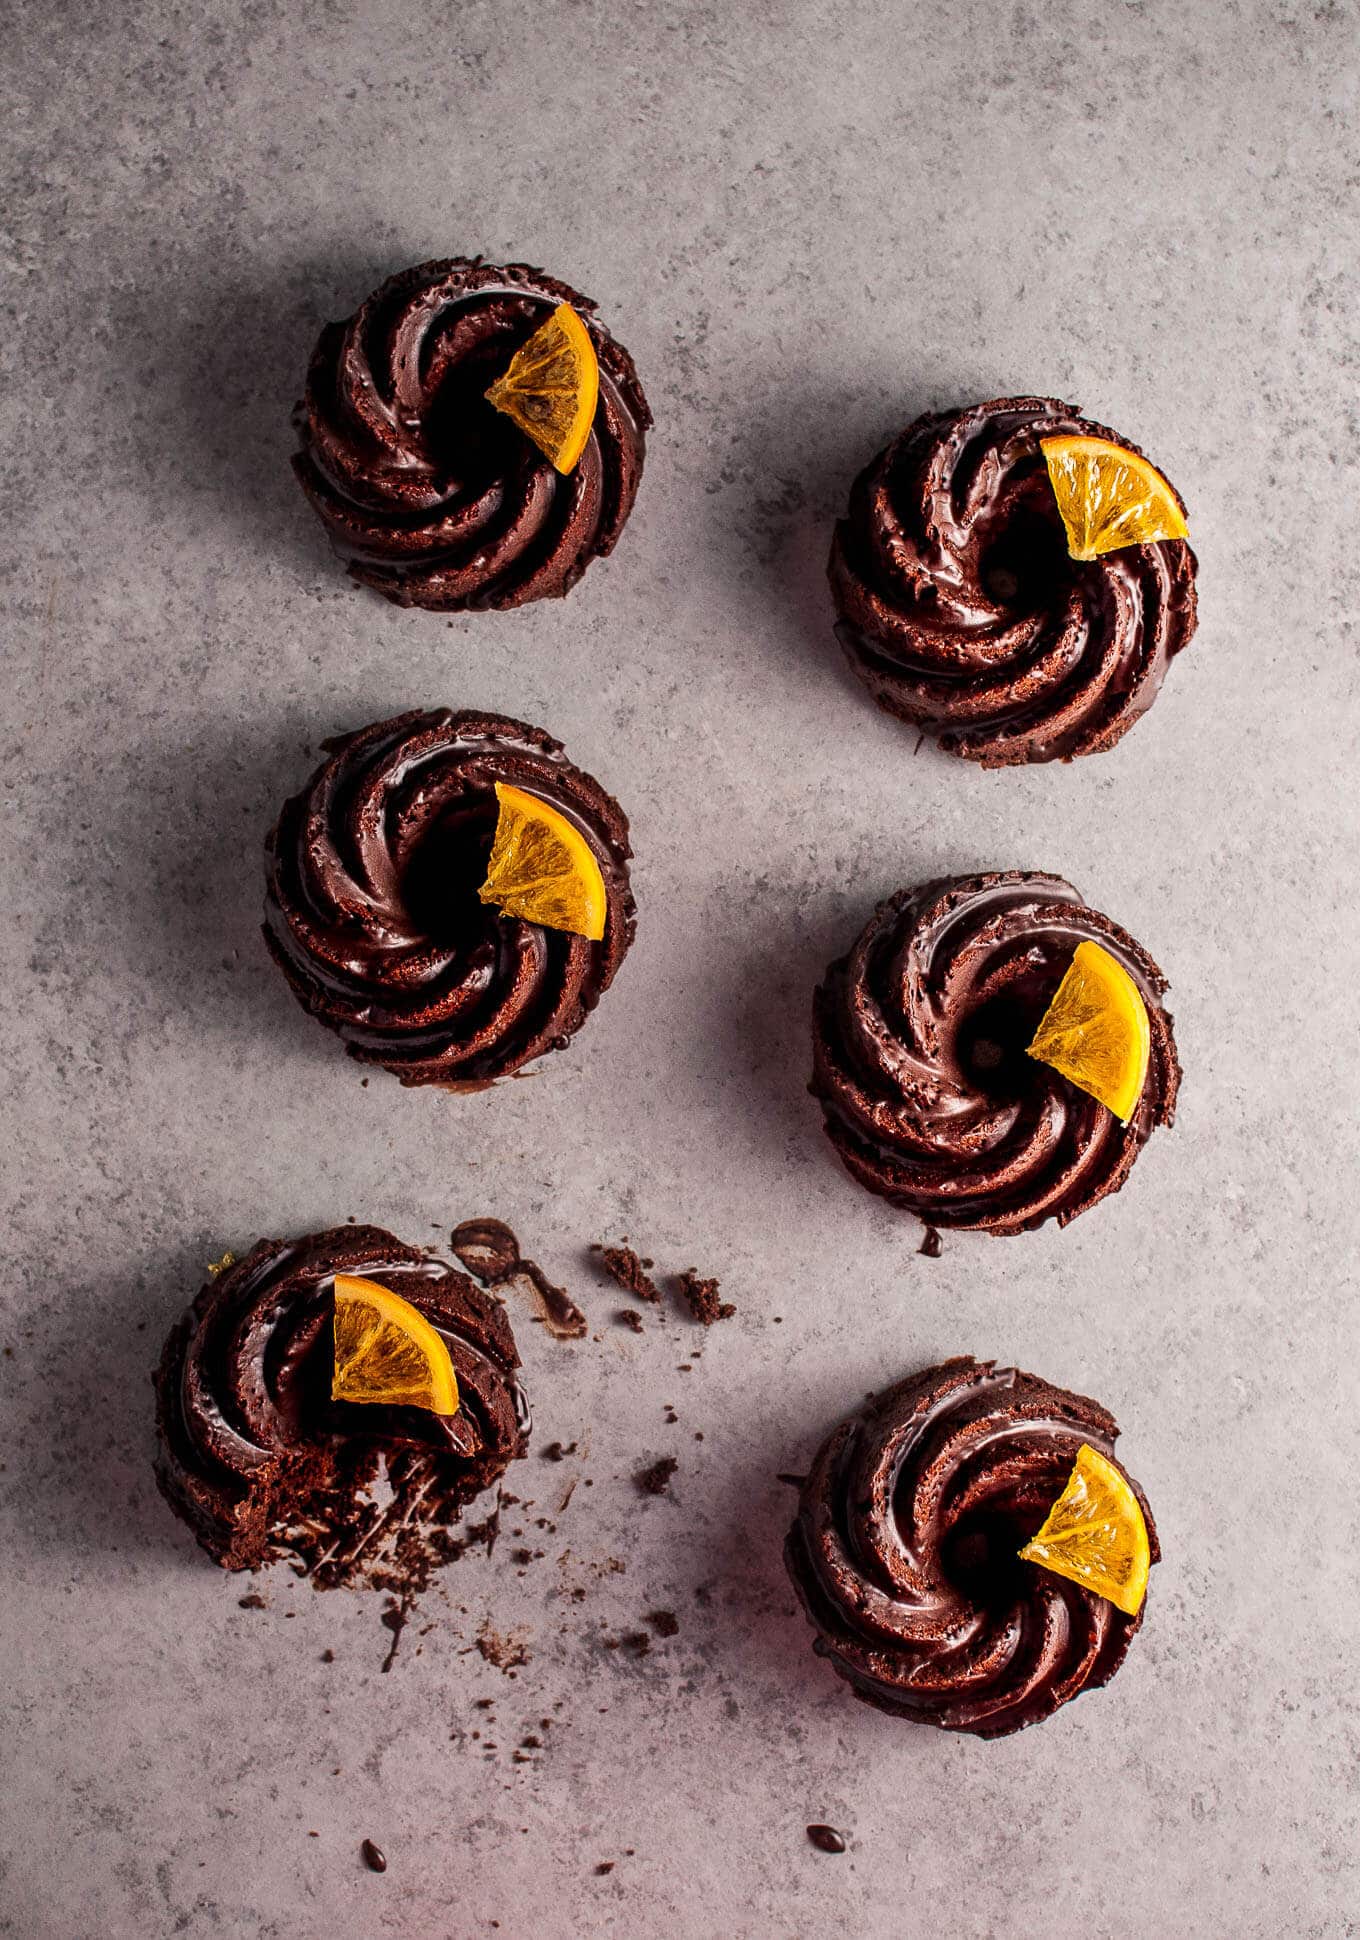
[{"x": 808, "y": 222}]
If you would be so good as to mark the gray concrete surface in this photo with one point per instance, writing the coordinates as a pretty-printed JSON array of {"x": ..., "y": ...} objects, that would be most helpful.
[{"x": 807, "y": 222}]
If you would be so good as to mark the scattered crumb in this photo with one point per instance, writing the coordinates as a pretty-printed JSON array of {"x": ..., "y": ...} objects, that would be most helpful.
[
  {"x": 931, "y": 1244},
  {"x": 252, "y": 1602},
  {"x": 374, "y": 1857},
  {"x": 664, "y": 1622},
  {"x": 328, "y": 1656},
  {"x": 556, "y": 1452},
  {"x": 636, "y": 1641},
  {"x": 701, "y": 1297},
  {"x": 505, "y": 1652},
  {"x": 655, "y": 1479},
  {"x": 629, "y": 1317},
  {"x": 627, "y": 1270},
  {"x": 605, "y": 1866},
  {"x": 826, "y": 1838}
]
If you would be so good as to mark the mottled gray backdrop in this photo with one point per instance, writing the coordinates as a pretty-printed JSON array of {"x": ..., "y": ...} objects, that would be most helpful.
[{"x": 807, "y": 222}]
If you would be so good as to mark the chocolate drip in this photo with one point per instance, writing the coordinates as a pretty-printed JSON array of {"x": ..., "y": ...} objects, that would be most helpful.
[
  {"x": 905, "y": 1551},
  {"x": 432, "y": 496},
  {"x": 372, "y": 911},
  {"x": 920, "y": 1062},
  {"x": 488, "y": 1248},
  {"x": 962, "y": 612}
]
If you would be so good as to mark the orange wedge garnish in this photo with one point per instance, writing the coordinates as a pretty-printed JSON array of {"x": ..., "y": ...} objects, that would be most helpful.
[
  {"x": 543, "y": 869},
  {"x": 1109, "y": 497},
  {"x": 551, "y": 387},
  {"x": 1096, "y": 1032},
  {"x": 1095, "y": 1534},
  {"x": 386, "y": 1350}
]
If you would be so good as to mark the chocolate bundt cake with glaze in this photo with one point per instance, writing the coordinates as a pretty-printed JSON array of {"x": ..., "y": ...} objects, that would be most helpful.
[
  {"x": 962, "y": 611},
  {"x": 434, "y": 497},
  {"x": 920, "y": 1065},
  {"x": 261, "y": 1463},
  {"x": 372, "y": 910},
  {"x": 905, "y": 1551}
]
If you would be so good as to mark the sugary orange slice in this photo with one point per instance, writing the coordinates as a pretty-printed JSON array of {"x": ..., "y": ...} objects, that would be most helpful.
[
  {"x": 551, "y": 387},
  {"x": 1109, "y": 497},
  {"x": 542, "y": 868},
  {"x": 1095, "y": 1534},
  {"x": 385, "y": 1350},
  {"x": 1096, "y": 1031}
]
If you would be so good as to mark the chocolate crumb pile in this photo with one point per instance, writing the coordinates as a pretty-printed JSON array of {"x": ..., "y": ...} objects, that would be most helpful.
[
  {"x": 697, "y": 1293},
  {"x": 655, "y": 1479},
  {"x": 628, "y": 1270},
  {"x": 701, "y": 1297}
]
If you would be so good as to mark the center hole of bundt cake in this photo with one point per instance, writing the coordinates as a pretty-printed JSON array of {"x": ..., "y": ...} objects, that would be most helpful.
[
  {"x": 1024, "y": 563},
  {"x": 992, "y": 1043},
  {"x": 447, "y": 868},
  {"x": 981, "y": 1558},
  {"x": 467, "y": 437}
]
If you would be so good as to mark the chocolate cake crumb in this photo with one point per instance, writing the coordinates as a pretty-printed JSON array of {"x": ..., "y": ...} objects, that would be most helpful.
[
  {"x": 557, "y": 1452},
  {"x": 636, "y": 1641},
  {"x": 625, "y": 1268},
  {"x": 931, "y": 1244},
  {"x": 664, "y": 1622},
  {"x": 826, "y": 1838},
  {"x": 655, "y": 1479},
  {"x": 605, "y": 1866},
  {"x": 328, "y": 1656},
  {"x": 629, "y": 1317},
  {"x": 252, "y": 1602},
  {"x": 701, "y": 1297},
  {"x": 505, "y": 1652},
  {"x": 374, "y": 1857}
]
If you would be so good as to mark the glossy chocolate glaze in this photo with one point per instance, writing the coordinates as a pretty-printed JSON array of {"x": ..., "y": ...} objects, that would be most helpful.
[
  {"x": 372, "y": 912},
  {"x": 261, "y": 1463},
  {"x": 905, "y": 1551},
  {"x": 432, "y": 496},
  {"x": 963, "y": 613},
  {"x": 919, "y": 1059}
]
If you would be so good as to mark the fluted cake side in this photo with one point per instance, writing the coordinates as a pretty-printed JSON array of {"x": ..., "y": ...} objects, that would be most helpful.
[
  {"x": 920, "y": 1062},
  {"x": 430, "y": 495},
  {"x": 372, "y": 911},
  {"x": 905, "y": 1551},
  {"x": 961, "y": 610},
  {"x": 262, "y": 1464}
]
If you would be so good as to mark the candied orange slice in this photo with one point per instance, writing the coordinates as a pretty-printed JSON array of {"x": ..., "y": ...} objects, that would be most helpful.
[
  {"x": 1109, "y": 497},
  {"x": 385, "y": 1350},
  {"x": 542, "y": 868},
  {"x": 551, "y": 387},
  {"x": 1096, "y": 1031},
  {"x": 1095, "y": 1534}
]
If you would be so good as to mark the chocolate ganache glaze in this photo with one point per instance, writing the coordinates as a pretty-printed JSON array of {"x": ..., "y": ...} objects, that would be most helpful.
[
  {"x": 920, "y": 1064},
  {"x": 433, "y": 496},
  {"x": 372, "y": 910},
  {"x": 261, "y": 1463},
  {"x": 905, "y": 1551},
  {"x": 962, "y": 611}
]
